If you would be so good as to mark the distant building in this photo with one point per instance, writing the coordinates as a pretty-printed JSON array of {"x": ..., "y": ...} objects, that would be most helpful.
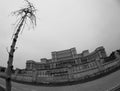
[{"x": 67, "y": 65}]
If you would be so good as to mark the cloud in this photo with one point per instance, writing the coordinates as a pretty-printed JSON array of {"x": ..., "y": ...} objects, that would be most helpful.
[{"x": 84, "y": 24}]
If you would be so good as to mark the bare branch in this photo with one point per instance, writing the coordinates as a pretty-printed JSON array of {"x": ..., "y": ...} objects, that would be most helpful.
[{"x": 29, "y": 11}]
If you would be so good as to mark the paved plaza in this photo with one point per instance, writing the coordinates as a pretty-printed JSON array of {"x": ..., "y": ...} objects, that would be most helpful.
[{"x": 102, "y": 84}]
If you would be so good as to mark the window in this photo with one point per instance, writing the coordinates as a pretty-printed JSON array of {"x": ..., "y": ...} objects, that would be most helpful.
[{"x": 84, "y": 60}]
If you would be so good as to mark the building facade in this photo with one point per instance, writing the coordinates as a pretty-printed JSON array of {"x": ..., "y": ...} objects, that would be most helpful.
[{"x": 67, "y": 65}]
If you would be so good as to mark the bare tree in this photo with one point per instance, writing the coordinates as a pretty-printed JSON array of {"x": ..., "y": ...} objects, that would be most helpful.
[{"x": 25, "y": 14}]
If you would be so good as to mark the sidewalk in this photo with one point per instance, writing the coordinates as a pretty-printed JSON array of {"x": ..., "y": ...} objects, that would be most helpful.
[{"x": 2, "y": 89}]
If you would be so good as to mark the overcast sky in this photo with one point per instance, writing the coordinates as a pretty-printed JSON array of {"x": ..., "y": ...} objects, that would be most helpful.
[{"x": 61, "y": 24}]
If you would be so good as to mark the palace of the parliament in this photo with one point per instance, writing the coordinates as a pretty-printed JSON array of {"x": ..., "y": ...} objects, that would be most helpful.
[{"x": 67, "y": 65}]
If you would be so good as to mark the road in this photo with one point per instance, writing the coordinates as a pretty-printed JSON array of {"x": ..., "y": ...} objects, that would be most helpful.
[{"x": 101, "y": 84}]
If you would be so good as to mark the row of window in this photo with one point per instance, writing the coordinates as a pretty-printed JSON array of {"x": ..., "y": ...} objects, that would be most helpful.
[
  {"x": 63, "y": 55},
  {"x": 59, "y": 65},
  {"x": 61, "y": 72},
  {"x": 83, "y": 67}
]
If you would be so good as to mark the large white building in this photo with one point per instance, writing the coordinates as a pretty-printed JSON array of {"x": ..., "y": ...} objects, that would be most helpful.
[{"x": 67, "y": 65}]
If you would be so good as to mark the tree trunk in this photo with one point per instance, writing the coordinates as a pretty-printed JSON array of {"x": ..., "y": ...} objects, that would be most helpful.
[{"x": 11, "y": 55}]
